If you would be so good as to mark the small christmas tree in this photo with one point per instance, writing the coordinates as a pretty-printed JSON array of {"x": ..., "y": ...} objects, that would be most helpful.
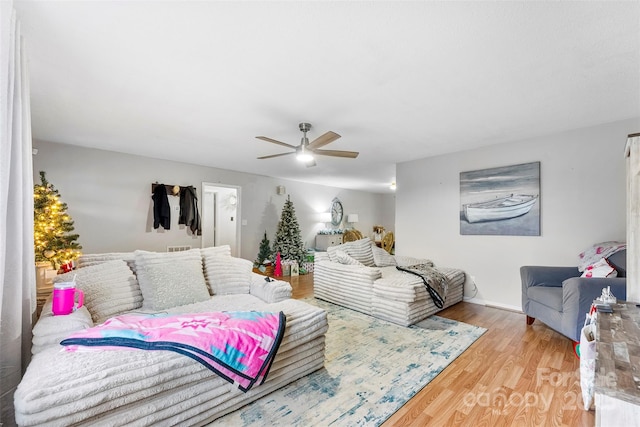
[
  {"x": 288, "y": 240},
  {"x": 264, "y": 253},
  {"x": 52, "y": 225}
]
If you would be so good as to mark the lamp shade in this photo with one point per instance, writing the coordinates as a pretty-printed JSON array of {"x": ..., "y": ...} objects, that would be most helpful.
[
  {"x": 324, "y": 217},
  {"x": 352, "y": 218}
]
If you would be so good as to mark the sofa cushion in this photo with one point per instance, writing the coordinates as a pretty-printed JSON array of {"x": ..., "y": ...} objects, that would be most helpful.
[
  {"x": 224, "y": 250},
  {"x": 547, "y": 296},
  {"x": 360, "y": 250},
  {"x": 383, "y": 258},
  {"x": 227, "y": 275},
  {"x": 343, "y": 258},
  {"x": 619, "y": 262},
  {"x": 109, "y": 288},
  {"x": 86, "y": 260},
  {"x": 171, "y": 279}
]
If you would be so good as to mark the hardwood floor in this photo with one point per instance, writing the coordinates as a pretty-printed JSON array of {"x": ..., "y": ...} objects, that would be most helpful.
[{"x": 514, "y": 375}]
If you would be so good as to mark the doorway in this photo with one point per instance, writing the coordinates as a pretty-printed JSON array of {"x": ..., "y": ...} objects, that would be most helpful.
[{"x": 221, "y": 216}]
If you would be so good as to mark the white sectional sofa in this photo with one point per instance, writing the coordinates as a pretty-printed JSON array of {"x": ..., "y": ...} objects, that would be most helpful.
[
  {"x": 363, "y": 277},
  {"x": 140, "y": 388}
]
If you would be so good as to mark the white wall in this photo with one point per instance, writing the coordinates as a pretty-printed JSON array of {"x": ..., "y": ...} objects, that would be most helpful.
[
  {"x": 109, "y": 197},
  {"x": 583, "y": 201}
]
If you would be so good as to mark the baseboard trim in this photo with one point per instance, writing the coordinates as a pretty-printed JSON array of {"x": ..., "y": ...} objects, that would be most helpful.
[{"x": 493, "y": 304}]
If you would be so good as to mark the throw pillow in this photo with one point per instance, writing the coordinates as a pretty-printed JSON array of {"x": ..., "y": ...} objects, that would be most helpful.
[
  {"x": 110, "y": 288},
  {"x": 600, "y": 250},
  {"x": 600, "y": 269},
  {"x": 171, "y": 279},
  {"x": 343, "y": 258},
  {"x": 216, "y": 250},
  {"x": 227, "y": 275},
  {"x": 360, "y": 250},
  {"x": 383, "y": 258},
  {"x": 86, "y": 260},
  {"x": 619, "y": 262}
]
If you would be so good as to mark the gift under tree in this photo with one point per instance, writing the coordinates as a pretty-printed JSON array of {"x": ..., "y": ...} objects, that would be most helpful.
[
  {"x": 52, "y": 226},
  {"x": 288, "y": 240}
]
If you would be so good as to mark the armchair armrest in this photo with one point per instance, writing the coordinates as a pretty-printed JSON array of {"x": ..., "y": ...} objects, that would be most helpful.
[
  {"x": 273, "y": 291},
  {"x": 534, "y": 275},
  {"x": 579, "y": 292}
]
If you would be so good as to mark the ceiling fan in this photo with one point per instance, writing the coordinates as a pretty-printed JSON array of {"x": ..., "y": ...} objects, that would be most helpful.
[{"x": 306, "y": 150}]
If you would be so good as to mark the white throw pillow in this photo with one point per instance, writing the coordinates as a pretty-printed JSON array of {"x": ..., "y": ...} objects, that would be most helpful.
[
  {"x": 600, "y": 269},
  {"x": 109, "y": 288},
  {"x": 383, "y": 258},
  {"x": 227, "y": 275},
  {"x": 86, "y": 260},
  {"x": 344, "y": 258},
  {"x": 591, "y": 255},
  {"x": 171, "y": 279},
  {"x": 216, "y": 250},
  {"x": 360, "y": 250}
]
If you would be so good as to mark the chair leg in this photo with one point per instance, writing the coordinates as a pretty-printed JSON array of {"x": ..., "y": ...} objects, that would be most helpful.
[{"x": 530, "y": 320}]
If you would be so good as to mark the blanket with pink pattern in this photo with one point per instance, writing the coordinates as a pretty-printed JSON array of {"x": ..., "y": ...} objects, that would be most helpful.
[{"x": 237, "y": 345}]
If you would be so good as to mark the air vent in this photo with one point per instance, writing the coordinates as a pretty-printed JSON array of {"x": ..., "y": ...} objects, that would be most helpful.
[{"x": 178, "y": 248}]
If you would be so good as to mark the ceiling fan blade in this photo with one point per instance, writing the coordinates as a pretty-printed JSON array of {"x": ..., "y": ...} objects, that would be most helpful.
[
  {"x": 337, "y": 153},
  {"x": 276, "y": 155},
  {"x": 323, "y": 140},
  {"x": 264, "y": 138}
]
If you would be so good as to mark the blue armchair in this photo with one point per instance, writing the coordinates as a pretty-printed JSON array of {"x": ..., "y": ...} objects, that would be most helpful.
[{"x": 560, "y": 298}]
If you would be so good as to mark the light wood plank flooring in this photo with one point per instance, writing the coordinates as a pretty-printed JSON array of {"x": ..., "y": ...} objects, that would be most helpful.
[{"x": 514, "y": 375}]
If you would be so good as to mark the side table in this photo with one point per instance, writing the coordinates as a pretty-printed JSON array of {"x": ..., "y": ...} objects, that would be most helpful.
[{"x": 617, "y": 387}]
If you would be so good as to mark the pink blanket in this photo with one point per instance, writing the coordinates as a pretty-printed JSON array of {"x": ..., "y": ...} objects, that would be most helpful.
[{"x": 239, "y": 346}]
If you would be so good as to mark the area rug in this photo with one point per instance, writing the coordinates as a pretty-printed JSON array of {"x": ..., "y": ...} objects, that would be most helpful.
[{"x": 372, "y": 367}]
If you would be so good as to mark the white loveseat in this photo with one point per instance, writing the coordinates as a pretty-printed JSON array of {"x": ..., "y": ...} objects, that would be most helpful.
[
  {"x": 138, "y": 387},
  {"x": 363, "y": 277}
]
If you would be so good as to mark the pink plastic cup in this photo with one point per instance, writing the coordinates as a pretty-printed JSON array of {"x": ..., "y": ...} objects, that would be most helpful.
[{"x": 64, "y": 295}]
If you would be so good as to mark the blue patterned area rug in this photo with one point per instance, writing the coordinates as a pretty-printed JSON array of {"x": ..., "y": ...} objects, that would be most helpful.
[{"x": 372, "y": 367}]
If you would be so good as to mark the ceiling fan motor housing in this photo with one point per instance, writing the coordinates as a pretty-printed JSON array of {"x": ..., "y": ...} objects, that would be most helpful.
[{"x": 305, "y": 127}]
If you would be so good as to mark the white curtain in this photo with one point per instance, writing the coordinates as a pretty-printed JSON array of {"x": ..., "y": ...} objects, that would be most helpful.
[
  {"x": 17, "y": 273},
  {"x": 632, "y": 154}
]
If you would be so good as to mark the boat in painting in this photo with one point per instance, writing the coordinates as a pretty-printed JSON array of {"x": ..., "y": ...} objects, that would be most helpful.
[{"x": 507, "y": 207}]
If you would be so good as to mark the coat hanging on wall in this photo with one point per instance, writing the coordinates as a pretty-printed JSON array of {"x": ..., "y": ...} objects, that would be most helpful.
[
  {"x": 161, "y": 208},
  {"x": 189, "y": 210}
]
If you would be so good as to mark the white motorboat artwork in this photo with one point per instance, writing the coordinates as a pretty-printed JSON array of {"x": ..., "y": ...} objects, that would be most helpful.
[{"x": 511, "y": 206}]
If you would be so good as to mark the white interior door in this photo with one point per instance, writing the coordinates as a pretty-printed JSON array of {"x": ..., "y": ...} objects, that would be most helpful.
[{"x": 220, "y": 216}]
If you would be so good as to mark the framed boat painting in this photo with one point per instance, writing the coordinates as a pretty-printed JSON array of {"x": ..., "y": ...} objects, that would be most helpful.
[{"x": 501, "y": 201}]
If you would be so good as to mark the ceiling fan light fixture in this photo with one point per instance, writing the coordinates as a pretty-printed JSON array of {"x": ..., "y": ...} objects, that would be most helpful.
[{"x": 304, "y": 156}]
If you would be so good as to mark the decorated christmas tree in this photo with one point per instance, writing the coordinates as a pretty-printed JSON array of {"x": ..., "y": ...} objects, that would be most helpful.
[
  {"x": 288, "y": 240},
  {"x": 264, "y": 254},
  {"x": 52, "y": 226}
]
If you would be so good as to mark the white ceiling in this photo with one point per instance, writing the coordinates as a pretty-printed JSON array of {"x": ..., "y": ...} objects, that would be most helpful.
[{"x": 196, "y": 81}]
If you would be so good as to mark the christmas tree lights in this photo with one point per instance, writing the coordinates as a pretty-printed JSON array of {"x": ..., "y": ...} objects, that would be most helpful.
[{"x": 52, "y": 225}]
